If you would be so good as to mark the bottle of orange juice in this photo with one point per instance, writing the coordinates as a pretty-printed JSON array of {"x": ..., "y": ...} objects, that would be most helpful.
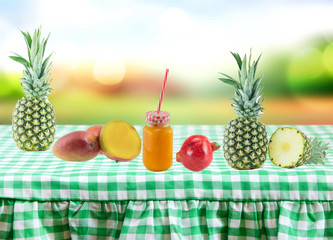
[{"x": 157, "y": 141}]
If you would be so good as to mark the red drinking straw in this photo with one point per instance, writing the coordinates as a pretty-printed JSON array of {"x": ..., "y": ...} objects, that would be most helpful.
[{"x": 162, "y": 91}]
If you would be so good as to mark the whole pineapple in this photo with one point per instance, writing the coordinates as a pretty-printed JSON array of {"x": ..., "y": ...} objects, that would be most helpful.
[
  {"x": 33, "y": 122},
  {"x": 245, "y": 138}
]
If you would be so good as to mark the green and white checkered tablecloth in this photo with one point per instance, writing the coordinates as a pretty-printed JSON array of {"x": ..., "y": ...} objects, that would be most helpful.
[{"x": 43, "y": 197}]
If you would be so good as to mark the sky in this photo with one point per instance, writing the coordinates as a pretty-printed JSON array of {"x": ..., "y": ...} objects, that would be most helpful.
[{"x": 192, "y": 38}]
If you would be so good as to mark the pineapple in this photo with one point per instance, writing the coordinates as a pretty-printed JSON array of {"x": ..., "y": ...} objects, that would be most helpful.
[
  {"x": 245, "y": 138},
  {"x": 33, "y": 119},
  {"x": 289, "y": 148}
]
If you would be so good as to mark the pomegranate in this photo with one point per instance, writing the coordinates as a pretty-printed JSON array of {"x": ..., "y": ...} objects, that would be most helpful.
[{"x": 196, "y": 152}]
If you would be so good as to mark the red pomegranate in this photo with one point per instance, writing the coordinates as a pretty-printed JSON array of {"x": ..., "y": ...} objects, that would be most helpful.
[{"x": 196, "y": 152}]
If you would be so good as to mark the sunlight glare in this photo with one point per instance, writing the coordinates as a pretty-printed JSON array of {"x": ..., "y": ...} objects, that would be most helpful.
[{"x": 109, "y": 71}]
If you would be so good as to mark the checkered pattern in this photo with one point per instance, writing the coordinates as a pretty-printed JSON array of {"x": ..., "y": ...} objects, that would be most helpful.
[
  {"x": 42, "y": 197},
  {"x": 157, "y": 117}
]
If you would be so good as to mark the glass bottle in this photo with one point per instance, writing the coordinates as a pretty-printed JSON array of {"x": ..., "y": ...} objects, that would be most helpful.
[{"x": 157, "y": 141}]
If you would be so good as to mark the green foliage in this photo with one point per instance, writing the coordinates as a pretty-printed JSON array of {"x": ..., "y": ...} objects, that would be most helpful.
[
  {"x": 36, "y": 79},
  {"x": 318, "y": 151},
  {"x": 10, "y": 88},
  {"x": 247, "y": 99}
]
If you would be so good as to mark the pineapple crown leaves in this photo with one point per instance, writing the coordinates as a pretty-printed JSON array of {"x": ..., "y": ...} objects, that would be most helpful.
[
  {"x": 36, "y": 79},
  {"x": 247, "y": 99},
  {"x": 318, "y": 151}
]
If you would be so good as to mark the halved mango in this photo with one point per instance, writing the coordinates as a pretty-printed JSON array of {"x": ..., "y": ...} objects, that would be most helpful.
[{"x": 120, "y": 141}]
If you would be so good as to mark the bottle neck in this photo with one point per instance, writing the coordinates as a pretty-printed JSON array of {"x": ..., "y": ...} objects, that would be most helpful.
[{"x": 157, "y": 124}]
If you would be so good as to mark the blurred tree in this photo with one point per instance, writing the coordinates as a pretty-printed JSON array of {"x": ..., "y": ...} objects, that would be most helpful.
[{"x": 10, "y": 86}]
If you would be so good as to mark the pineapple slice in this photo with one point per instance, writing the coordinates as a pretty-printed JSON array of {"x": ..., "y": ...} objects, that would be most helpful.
[{"x": 289, "y": 148}]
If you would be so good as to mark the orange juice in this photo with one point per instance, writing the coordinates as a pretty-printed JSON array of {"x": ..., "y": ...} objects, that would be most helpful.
[{"x": 157, "y": 141}]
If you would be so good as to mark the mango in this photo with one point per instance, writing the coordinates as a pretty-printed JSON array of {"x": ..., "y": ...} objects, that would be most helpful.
[
  {"x": 96, "y": 129},
  {"x": 76, "y": 146},
  {"x": 120, "y": 141}
]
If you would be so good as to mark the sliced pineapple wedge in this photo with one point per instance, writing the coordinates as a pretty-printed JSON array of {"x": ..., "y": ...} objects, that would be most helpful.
[{"x": 289, "y": 147}]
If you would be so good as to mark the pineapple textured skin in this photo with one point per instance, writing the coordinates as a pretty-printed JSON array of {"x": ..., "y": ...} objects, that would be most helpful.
[
  {"x": 245, "y": 143},
  {"x": 307, "y": 152},
  {"x": 33, "y": 124}
]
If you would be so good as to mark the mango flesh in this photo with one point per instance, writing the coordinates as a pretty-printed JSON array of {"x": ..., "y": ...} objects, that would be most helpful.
[
  {"x": 96, "y": 129},
  {"x": 120, "y": 141},
  {"x": 76, "y": 146}
]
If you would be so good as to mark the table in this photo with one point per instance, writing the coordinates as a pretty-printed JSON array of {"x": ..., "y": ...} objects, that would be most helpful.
[{"x": 43, "y": 197}]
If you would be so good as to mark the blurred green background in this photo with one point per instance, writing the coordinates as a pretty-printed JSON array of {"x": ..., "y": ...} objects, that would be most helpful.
[{"x": 110, "y": 58}]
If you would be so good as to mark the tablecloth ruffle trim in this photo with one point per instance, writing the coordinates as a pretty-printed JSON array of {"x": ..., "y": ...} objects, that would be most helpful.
[{"x": 164, "y": 219}]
